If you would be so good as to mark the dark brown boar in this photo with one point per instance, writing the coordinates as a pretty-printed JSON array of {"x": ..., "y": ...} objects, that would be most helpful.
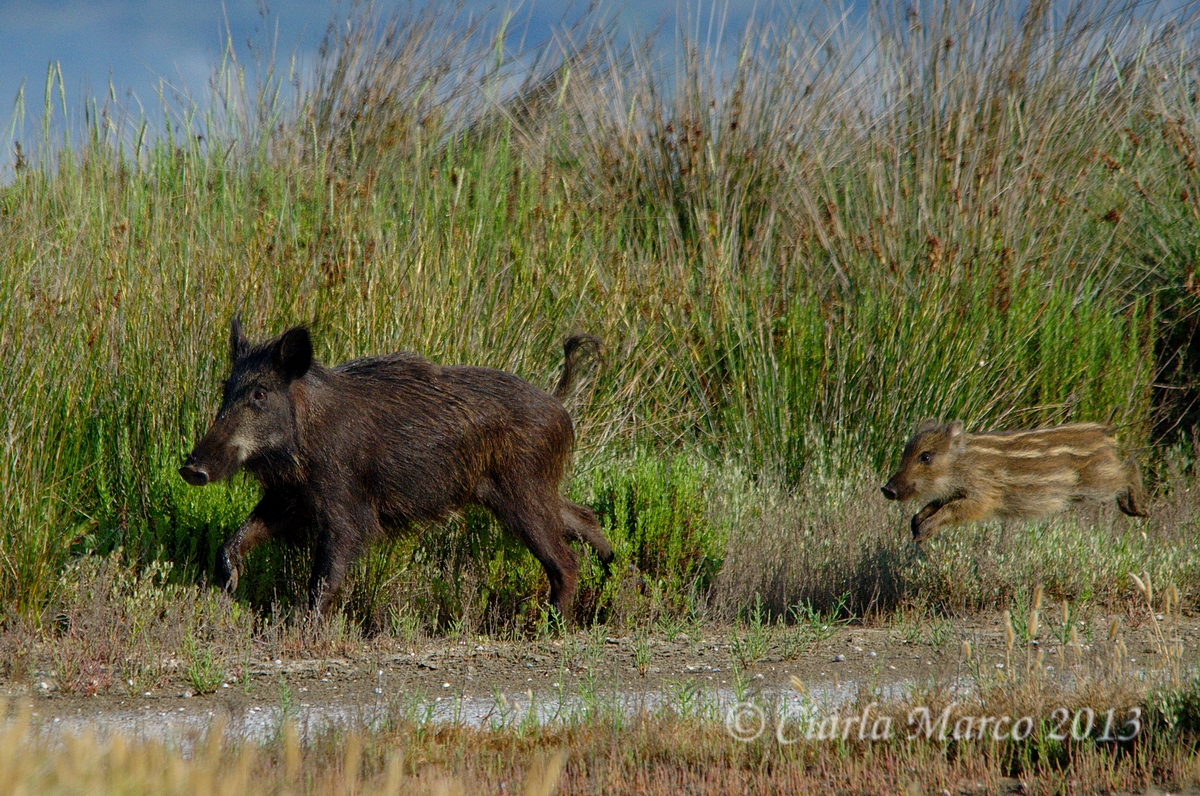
[
  {"x": 347, "y": 454},
  {"x": 1011, "y": 475}
]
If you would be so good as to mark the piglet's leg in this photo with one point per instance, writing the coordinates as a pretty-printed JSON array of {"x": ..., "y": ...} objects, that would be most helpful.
[
  {"x": 274, "y": 517},
  {"x": 937, "y": 515}
]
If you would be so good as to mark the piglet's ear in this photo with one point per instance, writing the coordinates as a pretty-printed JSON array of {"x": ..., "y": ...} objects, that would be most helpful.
[
  {"x": 928, "y": 424},
  {"x": 958, "y": 440},
  {"x": 292, "y": 353},
  {"x": 239, "y": 346}
]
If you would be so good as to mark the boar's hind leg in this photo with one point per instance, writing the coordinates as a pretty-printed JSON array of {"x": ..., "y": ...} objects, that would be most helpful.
[
  {"x": 342, "y": 533},
  {"x": 581, "y": 525},
  {"x": 274, "y": 517},
  {"x": 537, "y": 521},
  {"x": 1132, "y": 500}
]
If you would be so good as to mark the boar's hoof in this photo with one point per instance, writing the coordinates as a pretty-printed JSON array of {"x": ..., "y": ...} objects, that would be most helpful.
[{"x": 227, "y": 572}]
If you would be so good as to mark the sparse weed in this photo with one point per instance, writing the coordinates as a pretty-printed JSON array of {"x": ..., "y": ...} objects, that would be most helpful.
[
  {"x": 750, "y": 642},
  {"x": 808, "y": 627},
  {"x": 289, "y": 706},
  {"x": 202, "y": 672},
  {"x": 940, "y": 631},
  {"x": 405, "y": 625},
  {"x": 641, "y": 653},
  {"x": 908, "y": 626}
]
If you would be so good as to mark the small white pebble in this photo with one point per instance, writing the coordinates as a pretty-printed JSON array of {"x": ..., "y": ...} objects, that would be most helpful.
[
  {"x": 278, "y": 662},
  {"x": 445, "y": 685}
]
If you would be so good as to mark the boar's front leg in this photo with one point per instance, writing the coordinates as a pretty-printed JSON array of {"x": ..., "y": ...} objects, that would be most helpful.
[
  {"x": 343, "y": 531},
  {"x": 276, "y": 516}
]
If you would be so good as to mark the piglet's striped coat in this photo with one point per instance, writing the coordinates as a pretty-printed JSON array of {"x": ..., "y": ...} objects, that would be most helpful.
[{"x": 1011, "y": 475}]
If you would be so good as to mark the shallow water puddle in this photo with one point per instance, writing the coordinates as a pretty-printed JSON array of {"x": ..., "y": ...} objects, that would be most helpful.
[{"x": 184, "y": 726}]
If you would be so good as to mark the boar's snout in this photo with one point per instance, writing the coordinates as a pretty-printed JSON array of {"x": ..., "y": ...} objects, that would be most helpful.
[
  {"x": 889, "y": 491},
  {"x": 194, "y": 474}
]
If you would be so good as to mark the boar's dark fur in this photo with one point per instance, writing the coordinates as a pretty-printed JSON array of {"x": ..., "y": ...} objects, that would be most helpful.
[{"x": 350, "y": 453}]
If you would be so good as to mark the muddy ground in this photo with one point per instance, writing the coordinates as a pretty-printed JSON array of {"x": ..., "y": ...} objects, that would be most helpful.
[{"x": 554, "y": 670}]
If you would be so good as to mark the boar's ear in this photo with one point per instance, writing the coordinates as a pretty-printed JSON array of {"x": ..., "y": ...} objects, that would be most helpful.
[
  {"x": 238, "y": 344},
  {"x": 292, "y": 353},
  {"x": 928, "y": 424}
]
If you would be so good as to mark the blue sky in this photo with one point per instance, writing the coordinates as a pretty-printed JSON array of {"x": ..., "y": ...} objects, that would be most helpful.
[{"x": 136, "y": 42}]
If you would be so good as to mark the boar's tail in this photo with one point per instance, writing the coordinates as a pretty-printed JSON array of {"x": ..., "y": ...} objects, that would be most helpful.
[
  {"x": 1132, "y": 500},
  {"x": 571, "y": 350}
]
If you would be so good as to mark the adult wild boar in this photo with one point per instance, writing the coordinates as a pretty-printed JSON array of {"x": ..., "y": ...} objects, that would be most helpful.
[
  {"x": 346, "y": 454},
  {"x": 1011, "y": 475}
]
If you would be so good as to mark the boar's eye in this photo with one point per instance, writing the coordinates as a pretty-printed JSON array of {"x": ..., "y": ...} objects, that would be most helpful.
[
  {"x": 925, "y": 458},
  {"x": 258, "y": 396}
]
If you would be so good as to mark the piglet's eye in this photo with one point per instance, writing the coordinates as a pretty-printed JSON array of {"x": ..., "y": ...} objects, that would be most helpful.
[{"x": 925, "y": 458}]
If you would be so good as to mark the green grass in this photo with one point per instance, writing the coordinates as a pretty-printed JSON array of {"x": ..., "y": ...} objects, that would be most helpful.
[{"x": 791, "y": 259}]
